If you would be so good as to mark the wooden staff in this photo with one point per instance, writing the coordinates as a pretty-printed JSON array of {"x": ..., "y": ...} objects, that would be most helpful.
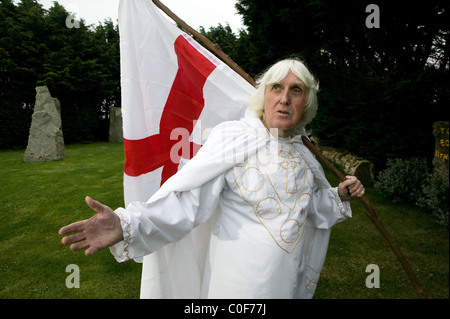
[
  {"x": 211, "y": 46},
  {"x": 370, "y": 212}
]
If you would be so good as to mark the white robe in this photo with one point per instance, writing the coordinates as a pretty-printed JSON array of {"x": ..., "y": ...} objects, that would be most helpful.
[{"x": 269, "y": 235}]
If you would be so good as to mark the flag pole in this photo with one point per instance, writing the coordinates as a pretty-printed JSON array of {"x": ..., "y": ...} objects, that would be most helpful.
[
  {"x": 370, "y": 212},
  {"x": 211, "y": 46}
]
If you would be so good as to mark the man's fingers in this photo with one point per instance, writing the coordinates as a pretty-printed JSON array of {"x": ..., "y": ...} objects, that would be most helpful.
[
  {"x": 74, "y": 227},
  {"x": 361, "y": 190},
  {"x": 102, "y": 230},
  {"x": 348, "y": 181},
  {"x": 79, "y": 246},
  {"x": 90, "y": 251},
  {"x": 82, "y": 245},
  {"x": 73, "y": 238},
  {"x": 79, "y": 226},
  {"x": 355, "y": 187}
]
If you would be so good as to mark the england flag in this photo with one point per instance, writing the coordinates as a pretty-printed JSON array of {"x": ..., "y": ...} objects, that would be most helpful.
[{"x": 173, "y": 92}]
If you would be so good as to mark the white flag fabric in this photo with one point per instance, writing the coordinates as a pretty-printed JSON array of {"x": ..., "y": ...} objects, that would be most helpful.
[{"x": 173, "y": 92}]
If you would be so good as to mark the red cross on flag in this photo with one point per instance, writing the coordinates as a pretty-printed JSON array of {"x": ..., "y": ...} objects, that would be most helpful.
[{"x": 173, "y": 92}]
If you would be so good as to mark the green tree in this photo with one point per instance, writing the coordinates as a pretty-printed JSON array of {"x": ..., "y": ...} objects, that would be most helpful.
[
  {"x": 235, "y": 46},
  {"x": 223, "y": 35},
  {"x": 19, "y": 55},
  {"x": 381, "y": 88},
  {"x": 80, "y": 65},
  {"x": 74, "y": 74}
]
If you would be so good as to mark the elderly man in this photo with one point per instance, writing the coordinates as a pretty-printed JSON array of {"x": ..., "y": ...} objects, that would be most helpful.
[{"x": 270, "y": 204}]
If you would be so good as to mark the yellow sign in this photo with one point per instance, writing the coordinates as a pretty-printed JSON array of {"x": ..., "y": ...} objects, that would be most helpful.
[{"x": 442, "y": 142}]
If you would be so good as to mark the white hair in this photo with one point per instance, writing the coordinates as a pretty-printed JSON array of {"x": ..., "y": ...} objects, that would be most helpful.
[{"x": 275, "y": 74}]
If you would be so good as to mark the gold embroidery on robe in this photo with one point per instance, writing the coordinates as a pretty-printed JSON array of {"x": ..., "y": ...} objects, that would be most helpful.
[{"x": 278, "y": 203}]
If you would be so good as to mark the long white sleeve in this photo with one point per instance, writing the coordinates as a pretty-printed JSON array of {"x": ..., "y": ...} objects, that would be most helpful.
[
  {"x": 326, "y": 209},
  {"x": 148, "y": 226}
]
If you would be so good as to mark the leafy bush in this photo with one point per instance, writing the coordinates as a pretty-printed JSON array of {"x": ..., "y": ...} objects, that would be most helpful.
[
  {"x": 402, "y": 179},
  {"x": 436, "y": 197},
  {"x": 410, "y": 180}
]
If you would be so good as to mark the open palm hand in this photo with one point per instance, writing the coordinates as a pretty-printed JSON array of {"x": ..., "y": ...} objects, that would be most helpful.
[{"x": 96, "y": 233}]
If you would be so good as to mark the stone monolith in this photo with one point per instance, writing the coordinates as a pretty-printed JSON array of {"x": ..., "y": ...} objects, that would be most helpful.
[{"x": 45, "y": 142}]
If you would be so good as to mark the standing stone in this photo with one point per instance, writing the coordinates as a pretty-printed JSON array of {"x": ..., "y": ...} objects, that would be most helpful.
[
  {"x": 45, "y": 142},
  {"x": 441, "y": 148},
  {"x": 115, "y": 125}
]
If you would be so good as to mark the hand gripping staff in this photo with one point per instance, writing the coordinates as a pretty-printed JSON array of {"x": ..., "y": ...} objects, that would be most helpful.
[{"x": 370, "y": 212}]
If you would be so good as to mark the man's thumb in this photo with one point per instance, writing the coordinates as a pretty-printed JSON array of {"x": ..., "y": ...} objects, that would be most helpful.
[{"x": 95, "y": 205}]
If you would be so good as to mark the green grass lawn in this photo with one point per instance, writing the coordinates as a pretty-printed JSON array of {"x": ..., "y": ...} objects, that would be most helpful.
[
  {"x": 36, "y": 199},
  {"x": 356, "y": 243}
]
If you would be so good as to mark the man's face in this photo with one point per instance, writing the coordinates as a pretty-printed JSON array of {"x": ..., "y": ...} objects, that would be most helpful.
[{"x": 284, "y": 104}]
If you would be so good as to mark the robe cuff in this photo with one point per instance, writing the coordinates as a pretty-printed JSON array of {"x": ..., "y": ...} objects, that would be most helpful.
[
  {"x": 345, "y": 210},
  {"x": 120, "y": 250}
]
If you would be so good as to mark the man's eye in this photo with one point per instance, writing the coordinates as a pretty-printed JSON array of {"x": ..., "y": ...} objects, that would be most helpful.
[
  {"x": 297, "y": 91},
  {"x": 276, "y": 87}
]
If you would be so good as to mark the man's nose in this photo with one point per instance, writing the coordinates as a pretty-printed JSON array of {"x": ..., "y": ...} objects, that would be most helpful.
[{"x": 285, "y": 97}]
